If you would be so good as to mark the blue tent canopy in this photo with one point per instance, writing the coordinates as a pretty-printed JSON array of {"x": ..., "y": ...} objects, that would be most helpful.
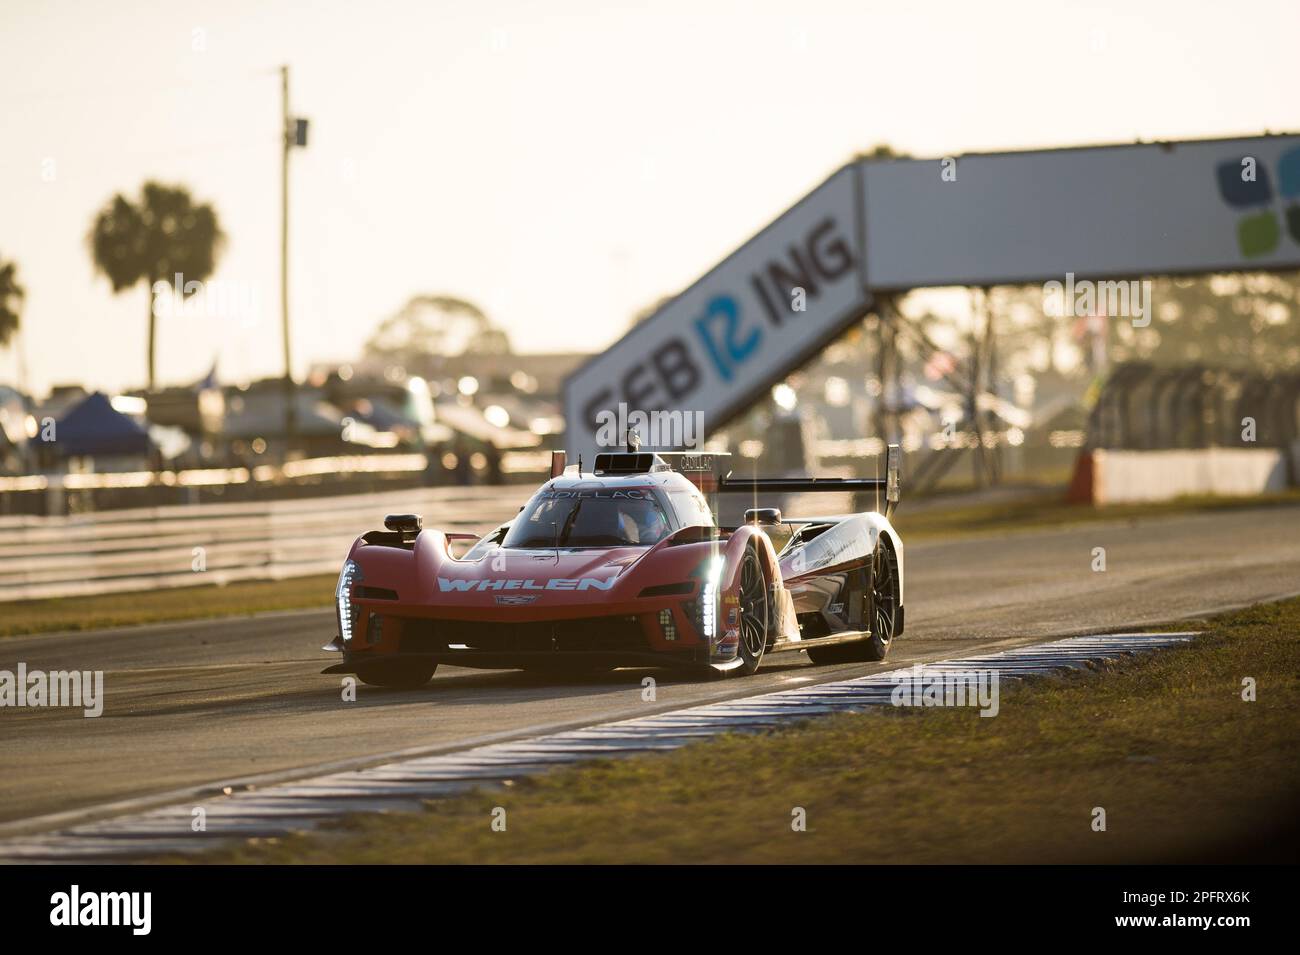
[{"x": 94, "y": 427}]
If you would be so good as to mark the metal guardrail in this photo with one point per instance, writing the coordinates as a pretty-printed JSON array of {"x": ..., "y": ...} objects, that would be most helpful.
[{"x": 149, "y": 548}]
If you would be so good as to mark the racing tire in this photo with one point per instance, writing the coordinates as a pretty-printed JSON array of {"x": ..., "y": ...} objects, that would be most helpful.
[
  {"x": 883, "y": 610},
  {"x": 754, "y": 613},
  {"x": 396, "y": 674}
]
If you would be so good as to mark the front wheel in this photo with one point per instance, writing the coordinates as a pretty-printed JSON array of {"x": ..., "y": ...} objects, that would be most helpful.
[
  {"x": 753, "y": 614},
  {"x": 396, "y": 674}
]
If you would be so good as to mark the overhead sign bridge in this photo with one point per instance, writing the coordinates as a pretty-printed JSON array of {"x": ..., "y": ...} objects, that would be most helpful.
[{"x": 879, "y": 227}]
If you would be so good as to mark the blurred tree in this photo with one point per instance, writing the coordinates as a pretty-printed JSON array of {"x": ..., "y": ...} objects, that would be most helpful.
[
  {"x": 1240, "y": 320},
  {"x": 164, "y": 235},
  {"x": 884, "y": 151},
  {"x": 648, "y": 310},
  {"x": 11, "y": 301},
  {"x": 436, "y": 326}
]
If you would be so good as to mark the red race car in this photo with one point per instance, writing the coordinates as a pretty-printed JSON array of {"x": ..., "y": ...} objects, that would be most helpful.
[{"x": 626, "y": 566}]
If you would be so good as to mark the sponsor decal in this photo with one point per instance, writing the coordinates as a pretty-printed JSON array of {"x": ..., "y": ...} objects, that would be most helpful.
[
  {"x": 695, "y": 462},
  {"x": 457, "y": 585},
  {"x": 515, "y": 600},
  {"x": 1246, "y": 186},
  {"x": 621, "y": 494}
]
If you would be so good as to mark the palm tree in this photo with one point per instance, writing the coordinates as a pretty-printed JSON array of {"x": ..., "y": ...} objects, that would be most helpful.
[
  {"x": 11, "y": 301},
  {"x": 164, "y": 235}
]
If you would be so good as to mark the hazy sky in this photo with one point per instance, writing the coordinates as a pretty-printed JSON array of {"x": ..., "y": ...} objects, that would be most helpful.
[{"x": 563, "y": 164}]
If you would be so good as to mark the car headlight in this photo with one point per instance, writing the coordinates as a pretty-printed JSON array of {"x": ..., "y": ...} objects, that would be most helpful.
[
  {"x": 709, "y": 600},
  {"x": 349, "y": 575}
]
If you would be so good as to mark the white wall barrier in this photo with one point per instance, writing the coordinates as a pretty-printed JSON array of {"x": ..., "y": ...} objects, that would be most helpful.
[
  {"x": 148, "y": 548},
  {"x": 1122, "y": 477}
]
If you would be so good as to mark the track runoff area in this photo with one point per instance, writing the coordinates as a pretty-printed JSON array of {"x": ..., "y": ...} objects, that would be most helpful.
[
  {"x": 85, "y": 885},
  {"x": 273, "y": 811}
]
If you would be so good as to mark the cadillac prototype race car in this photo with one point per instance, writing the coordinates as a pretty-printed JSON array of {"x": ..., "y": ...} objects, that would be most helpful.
[{"x": 626, "y": 565}]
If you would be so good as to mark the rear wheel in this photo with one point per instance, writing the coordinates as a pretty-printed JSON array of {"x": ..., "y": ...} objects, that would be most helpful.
[
  {"x": 396, "y": 674},
  {"x": 753, "y": 615},
  {"x": 881, "y": 617}
]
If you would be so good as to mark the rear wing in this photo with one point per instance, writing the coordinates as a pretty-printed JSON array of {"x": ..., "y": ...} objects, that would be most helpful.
[
  {"x": 890, "y": 484},
  {"x": 709, "y": 471}
]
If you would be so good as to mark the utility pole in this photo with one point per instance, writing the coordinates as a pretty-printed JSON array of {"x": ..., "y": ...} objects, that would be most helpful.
[
  {"x": 887, "y": 369},
  {"x": 983, "y": 468},
  {"x": 294, "y": 133},
  {"x": 290, "y": 398},
  {"x": 992, "y": 416}
]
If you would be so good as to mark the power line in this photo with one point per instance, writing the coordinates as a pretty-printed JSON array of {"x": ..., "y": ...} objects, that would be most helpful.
[{"x": 101, "y": 90}]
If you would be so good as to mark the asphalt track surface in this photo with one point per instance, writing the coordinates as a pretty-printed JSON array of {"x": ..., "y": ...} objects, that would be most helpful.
[{"x": 193, "y": 705}]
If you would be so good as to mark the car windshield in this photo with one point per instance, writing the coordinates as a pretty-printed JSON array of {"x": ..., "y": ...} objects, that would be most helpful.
[{"x": 596, "y": 518}]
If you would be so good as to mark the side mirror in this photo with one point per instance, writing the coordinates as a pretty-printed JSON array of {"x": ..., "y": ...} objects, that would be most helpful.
[{"x": 763, "y": 515}]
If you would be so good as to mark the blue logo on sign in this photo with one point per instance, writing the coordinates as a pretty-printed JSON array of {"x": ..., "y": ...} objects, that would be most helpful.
[
  {"x": 719, "y": 329},
  {"x": 1258, "y": 232}
]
